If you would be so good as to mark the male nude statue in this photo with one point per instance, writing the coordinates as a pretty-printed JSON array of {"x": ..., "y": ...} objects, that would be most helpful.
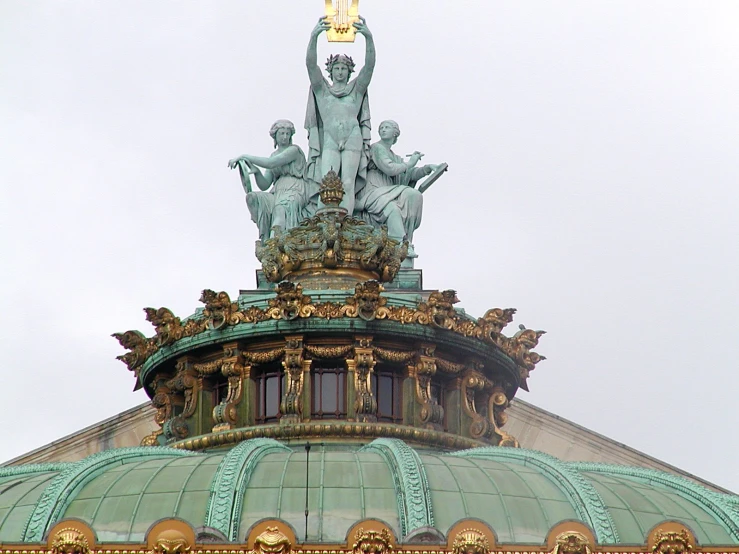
[{"x": 337, "y": 118}]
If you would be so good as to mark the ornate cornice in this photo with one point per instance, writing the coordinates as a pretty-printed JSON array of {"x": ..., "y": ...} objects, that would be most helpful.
[
  {"x": 227, "y": 487},
  {"x": 366, "y": 303},
  {"x": 411, "y": 483}
]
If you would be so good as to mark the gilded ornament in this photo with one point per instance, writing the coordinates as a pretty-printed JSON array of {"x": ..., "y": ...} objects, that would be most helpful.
[
  {"x": 672, "y": 542},
  {"x": 140, "y": 348},
  {"x": 449, "y": 367},
  {"x": 264, "y": 357},
  {"x": 440, "y": 309},
  {"x": 571, "y": 542},
  {"x": 372, "y": 542},
  {"x": 394, "y": 356},
  {"x": 219, "y": 310},
  {"x": 69, "y": 541},
  {"x": 366, "y": 301},
  {"x": 328, "y": 352},
  {"x": 272, "y": 541},
  {"x": 365, "y": 404},
  {"x": 171, "y": 541},
  {"x": 167, "y": 326},
  {"x": 470, "y": 541},
  {"x": 518, "y": 347},
  {"x": 331, "y": 239},
  {"x": 290, "y": 302},
  {"x": 292, "y": 400}
]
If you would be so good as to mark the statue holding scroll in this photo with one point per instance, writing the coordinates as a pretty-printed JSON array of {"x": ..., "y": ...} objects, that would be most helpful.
[{"x": 337, "y": 118}]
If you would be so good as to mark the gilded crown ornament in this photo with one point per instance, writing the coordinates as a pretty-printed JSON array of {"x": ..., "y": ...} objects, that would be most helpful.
[{"x": 331, "y": 240}]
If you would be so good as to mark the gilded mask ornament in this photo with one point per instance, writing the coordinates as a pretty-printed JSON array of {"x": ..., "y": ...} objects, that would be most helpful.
[
  {"x": 272, "y": 541},
  {"x": 218, "y": 308},
  {"x": 290, "y": 300},
  {"x": 671, "y": 542},
  {"x": 171, "y": 542},
  {"x": 470, "y": 541},
  {"x": 372, "y": 542},
  {"x": 70, "y": 541},
  {"x": 572, "y": 542},
  {"x": 366, "y": 300}
]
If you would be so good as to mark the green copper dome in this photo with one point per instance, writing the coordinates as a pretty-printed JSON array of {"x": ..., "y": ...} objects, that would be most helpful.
[{"x": 520, "y": 494}]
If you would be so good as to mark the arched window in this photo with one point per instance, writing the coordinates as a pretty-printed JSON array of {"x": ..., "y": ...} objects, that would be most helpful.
[
  {"x": 269, "y": 386},
  {"x": 328, "y": 392},
  {"x": 388, "y": 392}
]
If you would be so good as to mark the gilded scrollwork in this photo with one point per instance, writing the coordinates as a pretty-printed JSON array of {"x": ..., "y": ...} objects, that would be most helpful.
[
  {"x": 470, "y": 541},
  {"x": 293, "y": 362},
  {"x": 431, "y": 414},
  {"x": 475, "y": 392},
  {"x": 225, "y": 414},
  {"x": 571, "y": 542},
  {"x": 372, "y": 542},
  {"x": 365, "y": 404},
  {"x": 672, "y": 542},
  {"x": 69, "y": 541}
]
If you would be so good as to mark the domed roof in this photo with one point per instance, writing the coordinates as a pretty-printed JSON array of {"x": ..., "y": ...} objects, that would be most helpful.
[{"x": 520, "y": 494}]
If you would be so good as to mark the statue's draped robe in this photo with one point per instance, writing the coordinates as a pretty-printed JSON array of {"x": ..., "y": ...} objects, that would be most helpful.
[
  {"x": 291, "y": 191},
  {"x": 314, "y": 126},
  {"x": 388, "y": 189}
]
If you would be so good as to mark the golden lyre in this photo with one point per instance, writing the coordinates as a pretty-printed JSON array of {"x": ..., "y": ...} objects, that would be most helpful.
[{"x": 342, "y": 16}]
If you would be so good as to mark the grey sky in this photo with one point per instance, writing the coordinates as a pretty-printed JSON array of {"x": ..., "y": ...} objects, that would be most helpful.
[{"x": 592, "y": 185}]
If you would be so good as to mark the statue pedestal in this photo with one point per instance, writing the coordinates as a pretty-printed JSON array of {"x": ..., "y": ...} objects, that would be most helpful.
[{"x": 406, "y": 279}]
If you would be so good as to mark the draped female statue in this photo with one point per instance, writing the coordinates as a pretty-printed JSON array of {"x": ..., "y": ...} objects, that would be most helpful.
[
  {"x": 293, "y": 197},
  {"x": 388, "y": 197}
]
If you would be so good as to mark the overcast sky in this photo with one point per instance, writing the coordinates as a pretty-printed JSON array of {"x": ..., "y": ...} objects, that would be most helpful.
[{"x": 593, "y": 176}]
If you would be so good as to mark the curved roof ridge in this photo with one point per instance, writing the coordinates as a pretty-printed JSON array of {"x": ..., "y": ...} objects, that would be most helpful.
[
  {"x": 56, "y": 496},
  {"x": 229, "y": 480},
  {"x": 411, "y": 483},
  {"x": 708, "y": 499},
  {"x": 585, "y": 499},
  {"x": 12, "y": 471}
]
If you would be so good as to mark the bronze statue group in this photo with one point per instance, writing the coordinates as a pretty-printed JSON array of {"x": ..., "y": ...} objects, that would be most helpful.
[{"x": 379, "y": 185}]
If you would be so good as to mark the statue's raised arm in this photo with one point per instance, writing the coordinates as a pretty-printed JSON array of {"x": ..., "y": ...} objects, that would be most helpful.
[
  {"x": 311, "y": 57},
  {"x": 365, "y": 75}
]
